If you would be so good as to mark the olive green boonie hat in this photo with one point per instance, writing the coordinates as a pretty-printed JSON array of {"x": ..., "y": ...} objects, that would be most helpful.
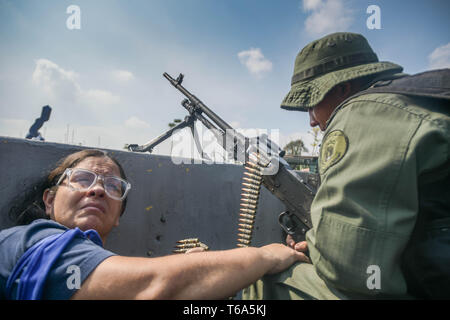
[{"x": 329, "y": 61}]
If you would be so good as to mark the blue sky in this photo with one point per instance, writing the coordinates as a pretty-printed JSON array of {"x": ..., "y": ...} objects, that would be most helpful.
[{"x": 105, "y": 84}]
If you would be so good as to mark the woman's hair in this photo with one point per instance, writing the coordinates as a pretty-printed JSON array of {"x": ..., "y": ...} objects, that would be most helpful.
[{"x": 30, "y": 206}]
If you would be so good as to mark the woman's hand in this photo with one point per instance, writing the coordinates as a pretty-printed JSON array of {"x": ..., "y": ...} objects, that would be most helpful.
[
  {"x": 298, "y": 246},
  {"x": 283, "y": 257}
]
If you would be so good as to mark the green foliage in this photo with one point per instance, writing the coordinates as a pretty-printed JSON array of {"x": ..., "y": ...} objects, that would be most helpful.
[{"x": 295, "y": 148}]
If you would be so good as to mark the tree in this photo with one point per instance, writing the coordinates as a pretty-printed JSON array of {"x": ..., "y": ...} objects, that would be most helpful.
[
  {"x": 295, "y": 148},
  {"x": 174, "y": 123},
  {"x": 317, "y": 139}
]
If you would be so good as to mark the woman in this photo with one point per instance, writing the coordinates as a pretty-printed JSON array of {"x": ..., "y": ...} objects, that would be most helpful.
[{"x": 87, "y": 192}]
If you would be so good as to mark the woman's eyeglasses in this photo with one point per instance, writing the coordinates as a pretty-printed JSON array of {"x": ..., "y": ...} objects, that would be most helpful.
[{"x": 82, "y": 180}]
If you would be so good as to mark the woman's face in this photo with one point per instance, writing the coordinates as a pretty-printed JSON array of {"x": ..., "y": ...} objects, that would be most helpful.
[{"x": 89, "y": 209}]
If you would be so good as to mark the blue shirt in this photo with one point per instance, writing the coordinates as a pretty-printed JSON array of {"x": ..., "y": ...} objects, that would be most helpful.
[{"x": 79, "y": 258}]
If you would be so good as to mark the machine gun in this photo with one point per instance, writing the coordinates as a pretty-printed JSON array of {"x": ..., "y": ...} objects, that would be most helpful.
[{"x": 263, "y": 164}]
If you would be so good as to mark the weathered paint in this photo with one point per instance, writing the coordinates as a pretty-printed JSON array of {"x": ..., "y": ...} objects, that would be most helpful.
[{"x": 167, "y": 202}]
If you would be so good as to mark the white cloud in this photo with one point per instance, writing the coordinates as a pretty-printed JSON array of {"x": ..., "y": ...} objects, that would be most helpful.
[
  {"x": 122, "y": 75},
  {"x": 311, "y": 4},
  {"x": 440, "y": 57},
  {"x": 63, "y": 86},
  {"x": 136, "y": 123},
  {"x": 326, "y": 16},
  {"x": 102, "y": 97},
  {"x": 255, "y": 61},
  {"x": 55, "y": 81}
]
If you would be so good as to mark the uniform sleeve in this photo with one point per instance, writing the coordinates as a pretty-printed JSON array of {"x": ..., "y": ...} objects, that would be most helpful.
[{"x": 366, "y": 207}]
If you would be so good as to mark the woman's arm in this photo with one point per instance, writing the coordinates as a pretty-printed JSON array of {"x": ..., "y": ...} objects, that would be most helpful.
[{"x": 203, "y": 275}]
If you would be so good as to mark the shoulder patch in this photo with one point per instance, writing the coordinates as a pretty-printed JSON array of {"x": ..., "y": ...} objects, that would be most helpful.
[{"x": 333, "y": 149}]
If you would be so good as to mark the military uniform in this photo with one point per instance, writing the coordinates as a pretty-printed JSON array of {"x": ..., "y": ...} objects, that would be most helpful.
[{"x": 375, "y": 151}]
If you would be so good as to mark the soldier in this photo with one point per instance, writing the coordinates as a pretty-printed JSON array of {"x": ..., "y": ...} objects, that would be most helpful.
[{"x": 384, "y": 165}]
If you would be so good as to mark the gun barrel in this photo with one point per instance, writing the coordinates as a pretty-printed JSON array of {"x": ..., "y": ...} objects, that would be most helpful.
[
  {"x": 200, "y": 108},
  {"x": 194, "y": 100}
]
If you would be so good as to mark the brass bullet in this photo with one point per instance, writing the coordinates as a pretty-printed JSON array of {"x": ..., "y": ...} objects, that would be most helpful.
[
  {"x": 252, "y": 186},
  {"x": 253, "y": 202},
  {"x": 246, "y": 221},
  {"x": 245, "y": 228},
  {"x": 250, "y": 196},
  {"x": 190, "y": 240},
  {"x": 253, "y": 176},
  {"x": 247, "y": 216},
  {"x": 248, "y": 211},
  {"x": 250, "y": 191},
  {"x": 245, "y": 236},
  {"x": 187, "y": 245},
  {"x": 257, "y": 172},
  {"x": 252, "y": 165},
  {"x": 246, "y": 205},
  {"x": 252, "y": 181}
]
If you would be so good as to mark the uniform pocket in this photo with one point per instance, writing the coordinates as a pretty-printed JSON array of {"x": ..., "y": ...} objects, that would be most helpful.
[{"x": 354, "y": 258}]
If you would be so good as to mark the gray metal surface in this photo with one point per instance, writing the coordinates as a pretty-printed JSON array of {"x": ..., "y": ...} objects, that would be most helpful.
[{"x": 168, "y": 202}]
